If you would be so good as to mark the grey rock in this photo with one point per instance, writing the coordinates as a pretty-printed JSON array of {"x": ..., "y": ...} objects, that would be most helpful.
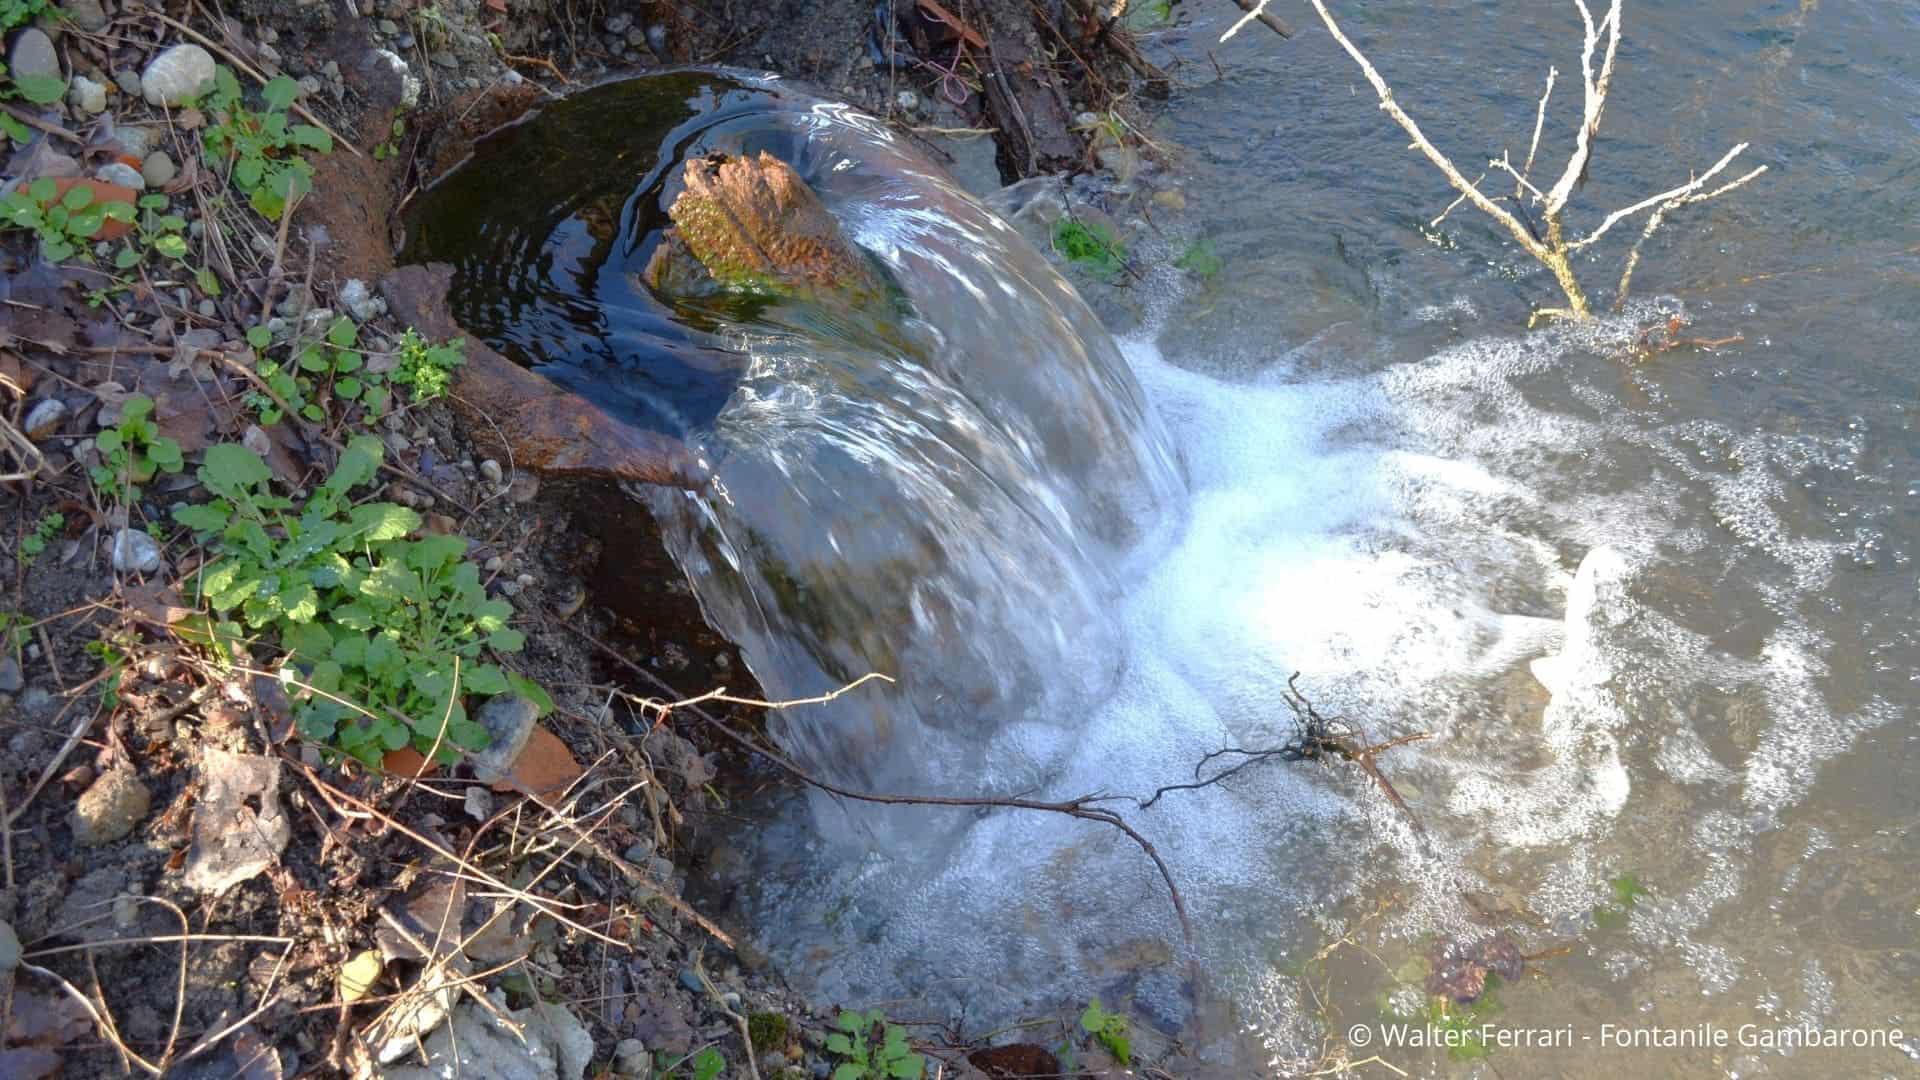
[
  {"x": 631, "y": 1060},
  {"x": 158, "y": 169},
  {"x": 177, "y": 75},
  {"x": 445, "y": 59},
  {"x": 134, "y": 552},
  {"x": 361, "y": 301},
  {"x": 45, "y": 418},
  {"x": 129, "y": 82},
  {"x": 491, "y": 470},
  {"x": 550, "y": 1044},
  {"x": 88, "y": 96},
  {"x": 109, "y": 808},
  {"x": 269, "y": 56},
  {"x": 119, "y": 172},
  {"x": 33, "y": 56},
  {"x": 208, "y": 309},
  {"x": 387, "y": 27},
  {"x": 618, "y": 22},
  {"x": 409, "y": 82},
  {"x": 9, "y": 947},
  {"x": 691, "y": 981},
  {"x": 310, "y": 85},
  {"x": 134, "y": 141},
  {"x": 509, "y": 720},
  {"x": 88, "y": 15},
  {"x": 11, "y": 681},
  {"x": 232, "y": 840}
]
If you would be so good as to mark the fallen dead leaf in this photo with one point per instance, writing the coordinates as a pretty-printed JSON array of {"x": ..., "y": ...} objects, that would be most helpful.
[
  {"x": 232, "y": 841},
  {"x": 358, "y": 975}
]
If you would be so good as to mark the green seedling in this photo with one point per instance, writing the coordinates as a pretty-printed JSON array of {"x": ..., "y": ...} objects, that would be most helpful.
[
  {"x": 261, "y": 152},
  {"x": 425, "y": 367},
  {"x": 1627, "y": 892},
  {"x": 862, "y": 1058},
  {"x": 384, "y": 634},
  {"x": 704, "y": 1065},
  {"x": 133, "y": 451},
  {"x": 1091, "y": 246},
  {"x": 156, "y": 232},
  {"x": 64, "y": 223},
  {"x": 1199, "y": 259},
  {"x": 1110, "y": 1030},
  {"x": 391, "y": 145},
  {"x": 35, "y": 542}
]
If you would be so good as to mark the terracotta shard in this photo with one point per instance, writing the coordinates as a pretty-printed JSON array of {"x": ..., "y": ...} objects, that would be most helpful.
[{"x": 546, "y": 767}]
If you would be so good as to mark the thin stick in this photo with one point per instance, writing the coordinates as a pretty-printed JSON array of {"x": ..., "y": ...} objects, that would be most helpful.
[{"x": 1256, "y": 9}]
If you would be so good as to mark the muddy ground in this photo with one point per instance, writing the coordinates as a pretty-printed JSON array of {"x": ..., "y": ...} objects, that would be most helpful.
[{"x": 194, "y": 890}]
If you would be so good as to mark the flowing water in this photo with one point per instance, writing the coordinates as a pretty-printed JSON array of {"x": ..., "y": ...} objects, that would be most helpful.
[{"x": 1660, "y": 617}]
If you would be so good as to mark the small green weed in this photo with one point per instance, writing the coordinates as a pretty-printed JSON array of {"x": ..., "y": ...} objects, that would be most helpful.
[
  {"x": 156, "y": 232},
  {"x": 704, "y": 1065},
  {"x": 261, "y": 151},
  {"x": 114, "y": 661},
  {"x": 1466, "y": 1022},
  {"x": 19, "y": 12},
  {"x": 64, "y": 223},
  {"x": 1091, "y": 246},
  {"x": 333, "y": 366},
  {"x": 1110, "y": 1029},
  {"x": 35, "y": 542},
  {"x": 1199, "y": 259},
  {"x": 15, "y": 631},
  {"x": 369, "y": 617},
  {"x": 860, "y": 1059},
  {"x": 426, "y": 367},
  {"x": 132, "y": 452},
  {"x": 391, "y": 145},
  {"x": 1627, "y": 892},
  {"x": 1148, "y": 14}
]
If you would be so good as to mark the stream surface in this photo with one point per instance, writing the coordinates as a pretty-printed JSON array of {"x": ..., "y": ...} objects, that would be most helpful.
[{"x": 1660, "y": 618}]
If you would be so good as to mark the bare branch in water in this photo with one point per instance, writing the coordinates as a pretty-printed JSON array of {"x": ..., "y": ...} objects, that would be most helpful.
[{"x": 1549, "y": 246}]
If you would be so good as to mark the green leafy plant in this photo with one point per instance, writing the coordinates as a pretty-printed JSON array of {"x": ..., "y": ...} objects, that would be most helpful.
[
  {"x": 19, "y": 12},
  {"x": 425, "y": 367},
  {"x": 64, "y": 222},
  {"x": 1465, "y": 1022},
  {"x": 1627, "y": 892},
  {"x": 390, "y": 146},
  {"x": 861, "y": 1058},
  {"x": 704, "y": 1065},
  {"x": 15, "y": 631},
  {"x": 113, "y": 661},
  {"x": 384, "y": 632},
  {"x": 134, "y": 450},
  {"x": 35, "y": 542},
  {"x": 1110, "y": 1030},
  {"x": 1148, "y": 14},
  {"x": 156, "y": 231},
  {"x": 261, "y": 151},
  {"x": 1091, "y": 246},
  {"x": 1199, "y": 258}
]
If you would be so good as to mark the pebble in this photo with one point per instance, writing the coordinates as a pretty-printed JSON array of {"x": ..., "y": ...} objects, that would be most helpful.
[
  {"x": 128, "y": 80},
  {"x": 510, "y": 588},
  {"x": 445, "y": 59},
  {"x": 691, "y": 981},
  {"x": 109, "y": 808},
  {"x": 88, "y": 15},
  {"x": 494, "y": 564},
  {"x": 158, "y": 170},
  {"x": 176, "y": 75},
  {"x": 907, "y": 100},
  {"x": 33, "y": 55},
  {"x": 134, "y": 141},
  {"x": 617, "y": 23},
  {"x": 509, "y": 720},
  {"x": 121, "y": 173},
  {"x": 269, "y": 56},
  {"x": 631, "y": 1060},
  {"x": 208, "y": 309},
  {"x": 45, "y": 418},
  {"x": 11, "y": 681},
  {"x": 9, "y": 947},
  {"x": 88, "y": 96},
  {"x": 135, "y": 552},
  {"x": 387, "y": 27},
  {"x": 409, "y": 82},
  {"x": 310, "y": 85},
  {"x": 360, "y": 301},
  {"x": 491, "y": 470}
]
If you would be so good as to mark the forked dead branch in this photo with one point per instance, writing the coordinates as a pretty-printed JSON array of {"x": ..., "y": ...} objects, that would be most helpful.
[{"x": 1547, "y": 241}]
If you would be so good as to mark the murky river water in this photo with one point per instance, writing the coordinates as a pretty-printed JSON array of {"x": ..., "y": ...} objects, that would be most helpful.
[{"x": 1681, "y": 778}]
